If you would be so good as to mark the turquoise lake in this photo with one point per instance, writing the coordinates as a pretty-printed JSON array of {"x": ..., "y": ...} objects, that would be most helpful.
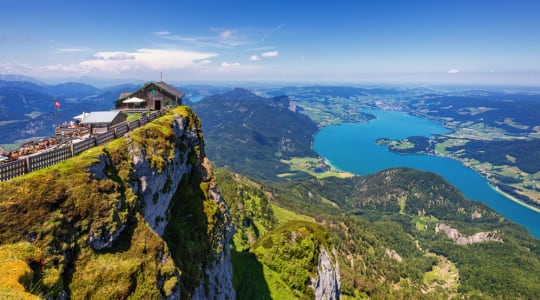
[
  {"x": 195, "y": 99},
  {"x": 352, "y": 148}
]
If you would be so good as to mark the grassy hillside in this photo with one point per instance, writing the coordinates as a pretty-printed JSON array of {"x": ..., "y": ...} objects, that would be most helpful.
[
  {"x": 275, "y": 250},
  {"x": 383, "y": 228}
]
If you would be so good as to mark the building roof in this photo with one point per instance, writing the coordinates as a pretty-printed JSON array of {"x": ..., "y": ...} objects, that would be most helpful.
[
  {"x": 169, "y": 89},
  {"x": 100, "y": 117},
  {"x": 161, "y": 85},
  {"x": 124, "y": 95}
]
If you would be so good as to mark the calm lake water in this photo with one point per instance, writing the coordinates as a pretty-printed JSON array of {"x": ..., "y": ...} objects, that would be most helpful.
[
  {"x": 195, "y": 98},
  {"x": 352, "y": 148}
]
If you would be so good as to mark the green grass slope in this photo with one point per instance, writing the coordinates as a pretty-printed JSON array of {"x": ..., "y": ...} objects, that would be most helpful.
[
  {"x": 47, "y": 217},
  {"x": 275, "y": 250}
]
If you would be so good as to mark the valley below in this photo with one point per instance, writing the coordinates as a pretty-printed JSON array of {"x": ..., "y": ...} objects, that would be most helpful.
[
  {"x": 493, "y": 132},
  {"x": 351, "y": 147}
]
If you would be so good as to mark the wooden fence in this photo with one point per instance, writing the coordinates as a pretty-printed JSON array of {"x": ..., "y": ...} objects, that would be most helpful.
[{"x": 45, "y": 159}]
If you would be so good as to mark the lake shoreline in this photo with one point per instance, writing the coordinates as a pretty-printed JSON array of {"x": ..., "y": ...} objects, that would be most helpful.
[
  {"x": 350, "y": 147},
  {"x": 498, "y": 190},
  {"x": 387, "y": 142}
]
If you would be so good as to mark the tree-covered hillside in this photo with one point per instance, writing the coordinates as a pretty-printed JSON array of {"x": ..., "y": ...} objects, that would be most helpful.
[
  {"x": 386, "y": 230},
  {"x": 275, "y": 251},
  {"x": 250, "y": 134}
]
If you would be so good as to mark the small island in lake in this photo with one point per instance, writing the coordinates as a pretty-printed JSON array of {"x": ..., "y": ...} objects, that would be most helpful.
[{"x": 413, "y": 144}]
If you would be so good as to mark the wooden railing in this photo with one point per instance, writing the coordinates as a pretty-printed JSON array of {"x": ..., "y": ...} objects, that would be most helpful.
[
  {"x": 71, "y": 130},
  {"x": 48, "y": 158}
]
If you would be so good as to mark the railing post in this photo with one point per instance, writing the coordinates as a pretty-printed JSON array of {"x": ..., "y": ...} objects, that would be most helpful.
[{"x": 27, "y": 164}]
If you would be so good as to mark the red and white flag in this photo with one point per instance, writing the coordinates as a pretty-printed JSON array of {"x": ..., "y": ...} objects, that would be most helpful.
[{"x": 57, "y": 104}]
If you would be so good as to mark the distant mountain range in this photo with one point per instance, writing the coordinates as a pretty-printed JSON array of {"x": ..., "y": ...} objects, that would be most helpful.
[
  {"x": 27, "y": 108},
  {"x": 251, "y": 134},
  {"x": 97, "y": 82},
  {"x": 14, "y": 77},
  {"x": 27, "y": 105}
]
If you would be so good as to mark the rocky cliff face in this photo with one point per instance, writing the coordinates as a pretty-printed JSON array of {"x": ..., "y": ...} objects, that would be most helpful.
[
  {"x": 156, "y": 189},
  {"x": 217, "y": 283},
  {"x": 116, "y": 221},
  {"x": 460, "y": 239},
  {"x": 328, "y": 282}
]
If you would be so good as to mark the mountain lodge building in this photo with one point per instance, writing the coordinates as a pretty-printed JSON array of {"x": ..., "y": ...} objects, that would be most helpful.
[
  {"x": 101, "y": 121},
  {"x": 152, "y": 96}
]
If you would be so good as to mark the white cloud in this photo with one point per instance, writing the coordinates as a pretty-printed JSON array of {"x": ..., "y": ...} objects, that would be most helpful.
[
  {"x": 225, "y": 35},
  {"x": 261, "y": 48},
  {"x": 219, "y": 38},
  {"x": 162, "y": 33},
  {"x": 71, "y": 50},
  {"x": 229, "y": 65},
  {"x": 114, "y": 56},
  {"x": 198, "y": 41},
  {"x": 74, "y": 68},
  {"x": 265, "y": 55},
  {"x": 453, "y": 71},
  {"x": 277, "y": 28},
  {"x": 270, "y": 54},
  {"x": 205, "y": 41},
  {"x": 14, "y": 68},
  {"x": 116, "y": 62}
]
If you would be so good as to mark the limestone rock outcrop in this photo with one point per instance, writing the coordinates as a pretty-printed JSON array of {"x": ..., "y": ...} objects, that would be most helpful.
[
  {"x": 328, "y": 282},
  {"x": 458, "y": 238}
]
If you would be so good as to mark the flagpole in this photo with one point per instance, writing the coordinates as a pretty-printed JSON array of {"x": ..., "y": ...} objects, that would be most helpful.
[
  {"x": 55, "y": 118},
  {"x": 56, "y": 106}
]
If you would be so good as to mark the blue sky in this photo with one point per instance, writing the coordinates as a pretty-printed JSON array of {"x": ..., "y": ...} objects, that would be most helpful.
[{"x": 494, "y": 42}]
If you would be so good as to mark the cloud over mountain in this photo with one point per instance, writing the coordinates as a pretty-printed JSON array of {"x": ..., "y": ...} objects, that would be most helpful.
[{"x": 150, "y": 59}]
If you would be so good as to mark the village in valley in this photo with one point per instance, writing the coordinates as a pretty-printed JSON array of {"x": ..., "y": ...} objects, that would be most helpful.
[{"x": 149, "y": 100}]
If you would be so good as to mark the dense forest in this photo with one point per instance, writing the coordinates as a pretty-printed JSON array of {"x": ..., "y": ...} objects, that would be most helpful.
[
  {"x": 250, "y": 134},
  {"x": 384, "y": 226}
]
